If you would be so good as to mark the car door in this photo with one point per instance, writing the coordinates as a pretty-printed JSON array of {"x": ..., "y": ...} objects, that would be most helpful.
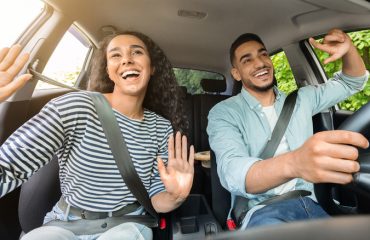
[{"x": 58, "y": 50}]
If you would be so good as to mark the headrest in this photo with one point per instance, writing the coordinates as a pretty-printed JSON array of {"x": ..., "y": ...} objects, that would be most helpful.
[
  {"x": 183, "y": 89},
  {"x": 213, "y": 85},
  {"x": 237, "y": 87}
]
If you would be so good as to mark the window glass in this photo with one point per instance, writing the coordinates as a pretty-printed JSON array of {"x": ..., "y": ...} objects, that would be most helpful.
[
  {"x": 191, "y": 78},
  {"x": 15, "y": 17},
  {"x": 67, "y": 60},
  {"x": 283, "y": 73},
  {"x": 362, "y": 43}
]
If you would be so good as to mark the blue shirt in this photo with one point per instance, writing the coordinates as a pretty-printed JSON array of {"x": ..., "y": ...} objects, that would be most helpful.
[{"x": 238, "y": 129}]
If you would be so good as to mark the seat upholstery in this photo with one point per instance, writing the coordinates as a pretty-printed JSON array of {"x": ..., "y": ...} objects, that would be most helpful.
[
  {"x": 203, "y": 103},
  {"x": 38, "y": 196},
  {"x": 221, "y": 198}
]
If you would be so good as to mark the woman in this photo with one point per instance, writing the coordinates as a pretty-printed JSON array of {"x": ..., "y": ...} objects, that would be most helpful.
[{"x": 137, "y": 80}]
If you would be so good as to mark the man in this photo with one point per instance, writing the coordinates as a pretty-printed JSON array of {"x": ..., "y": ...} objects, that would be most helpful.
[{"x": 240, "y": 126}]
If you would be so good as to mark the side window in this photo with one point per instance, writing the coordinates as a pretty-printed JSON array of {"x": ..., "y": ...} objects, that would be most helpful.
[
  {"x": 12, "y": 25},
  {"x": 67, "y": 60},
  {"x": 283, "y": 73},
  {"x": 362, "y": 43},
  {"x": 190, "y": 78}
]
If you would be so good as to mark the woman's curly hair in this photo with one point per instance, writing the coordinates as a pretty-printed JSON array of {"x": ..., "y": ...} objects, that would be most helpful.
[{"x": 163, "y": 96}]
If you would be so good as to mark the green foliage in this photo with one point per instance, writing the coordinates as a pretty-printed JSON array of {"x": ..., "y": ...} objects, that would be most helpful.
[
  {"x": 190, "y": 78},
  {"x": 362, "y": 43},
  {"x": 283, "y": 73}
]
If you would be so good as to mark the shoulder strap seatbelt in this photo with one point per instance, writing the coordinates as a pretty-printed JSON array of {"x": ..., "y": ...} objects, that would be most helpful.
[
  {"x": 280, "y": 127},
  {"x": 121, "y": 155},
  {"x": 117, "y": 145},
  {"x": 39, "y": 76},
  {"x": 241, "y": 203}
]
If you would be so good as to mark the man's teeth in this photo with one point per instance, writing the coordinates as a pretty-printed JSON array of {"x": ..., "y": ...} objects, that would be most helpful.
[
  {"x": 130, "y": 73},
  {"x": 261, "y": 73}
]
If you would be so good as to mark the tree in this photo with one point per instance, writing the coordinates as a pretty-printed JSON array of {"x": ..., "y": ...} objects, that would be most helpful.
[{"x": 191, "y": 78}]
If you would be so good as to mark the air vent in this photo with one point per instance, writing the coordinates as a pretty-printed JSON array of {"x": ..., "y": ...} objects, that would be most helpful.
[{"x": 191, "y": 14}]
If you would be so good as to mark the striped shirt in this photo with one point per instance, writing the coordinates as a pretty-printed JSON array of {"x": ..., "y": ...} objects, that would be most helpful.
[{"x": 69, "y": 128}]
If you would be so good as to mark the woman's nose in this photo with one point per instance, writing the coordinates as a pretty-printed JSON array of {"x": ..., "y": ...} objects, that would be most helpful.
[{"x": 127, "y": 59}]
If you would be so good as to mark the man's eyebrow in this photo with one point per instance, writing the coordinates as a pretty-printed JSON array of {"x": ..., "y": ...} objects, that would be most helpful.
[
  {"x": 244, "y": 56},
  {"x": 131, "y": 46},
  {"x": 262, "y": 49}
]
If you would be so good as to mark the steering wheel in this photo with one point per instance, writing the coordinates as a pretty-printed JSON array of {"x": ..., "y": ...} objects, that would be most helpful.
[{"x": 358, "y": 122}]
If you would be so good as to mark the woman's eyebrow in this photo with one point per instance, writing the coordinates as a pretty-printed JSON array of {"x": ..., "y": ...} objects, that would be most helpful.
[{"x": 131, "y": 46}]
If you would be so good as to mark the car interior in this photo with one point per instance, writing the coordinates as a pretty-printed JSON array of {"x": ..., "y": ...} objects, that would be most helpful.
[{"x": 196, "y": 36}]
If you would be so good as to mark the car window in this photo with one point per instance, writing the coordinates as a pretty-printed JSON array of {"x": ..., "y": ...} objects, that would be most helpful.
[
  {"x": 283, "y": 73},
  {"x": 190, "y": 78},
  {"x": 67, "y": 60},
  {"x": 362, "y": 43},
  {"x": 12, "y": 25}
]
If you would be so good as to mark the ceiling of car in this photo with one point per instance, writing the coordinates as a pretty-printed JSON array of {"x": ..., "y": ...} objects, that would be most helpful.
[{"x": 201, "y": 36}]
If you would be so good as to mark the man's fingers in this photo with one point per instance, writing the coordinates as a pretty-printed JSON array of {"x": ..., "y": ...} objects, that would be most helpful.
[
  {"x": 332, "y": 58},
  {"x": 10, "y": 57},
  {"x": 340, "y": 165},
  {"x": 335, "y": 37},
  {"x": 341, "y": 151},
  {"x": 318, "y": 45},
  {"x": 343, "y": 137},
  {"x": 337, "y": 177}
]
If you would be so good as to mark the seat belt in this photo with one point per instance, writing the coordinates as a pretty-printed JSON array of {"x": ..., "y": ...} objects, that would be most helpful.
[
  {"x": 39, "y": 76},
  {"x": 280, "y": 127},
  {"x": 241, "y": 203},
  {"x": 120, "y": 152},
  {"x": 117, "y": 145}
]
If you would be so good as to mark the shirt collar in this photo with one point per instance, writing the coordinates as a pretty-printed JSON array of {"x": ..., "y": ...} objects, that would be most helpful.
[{"x": 253, "y": 102}]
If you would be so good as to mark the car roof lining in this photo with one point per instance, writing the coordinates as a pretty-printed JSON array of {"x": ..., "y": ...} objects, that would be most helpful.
[{"x": 190, "y": 46}]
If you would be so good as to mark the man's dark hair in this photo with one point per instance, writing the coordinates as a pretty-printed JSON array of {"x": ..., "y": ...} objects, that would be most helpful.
[{"x": 246, "y": 37}]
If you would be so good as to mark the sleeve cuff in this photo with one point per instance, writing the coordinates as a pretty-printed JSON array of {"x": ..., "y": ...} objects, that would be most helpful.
[
  {"x": 235, "y": 173},
  {"x": 358, "y": 82}
]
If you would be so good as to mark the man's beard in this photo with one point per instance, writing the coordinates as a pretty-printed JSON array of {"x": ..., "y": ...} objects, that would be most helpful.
[{"x": 260, "y": 89}]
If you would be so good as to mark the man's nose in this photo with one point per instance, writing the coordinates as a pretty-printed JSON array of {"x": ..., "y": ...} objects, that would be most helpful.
[{"x": 259, "y": 62}]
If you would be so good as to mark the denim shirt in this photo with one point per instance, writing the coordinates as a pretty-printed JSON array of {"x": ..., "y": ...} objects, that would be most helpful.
[{"x": 238, "y": 129}]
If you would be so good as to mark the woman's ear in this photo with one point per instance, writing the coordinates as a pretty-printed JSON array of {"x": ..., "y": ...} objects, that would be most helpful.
[{"x": 152, "y": 71}]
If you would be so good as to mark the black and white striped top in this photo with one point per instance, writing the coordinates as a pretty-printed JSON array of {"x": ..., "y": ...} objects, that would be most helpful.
[{"x": 68, "y": 126}]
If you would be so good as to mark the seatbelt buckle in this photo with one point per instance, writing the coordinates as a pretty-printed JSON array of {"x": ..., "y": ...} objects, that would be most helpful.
[
  {"x": 230, "y": 223},
  {"x": 162, "y": 223}
]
